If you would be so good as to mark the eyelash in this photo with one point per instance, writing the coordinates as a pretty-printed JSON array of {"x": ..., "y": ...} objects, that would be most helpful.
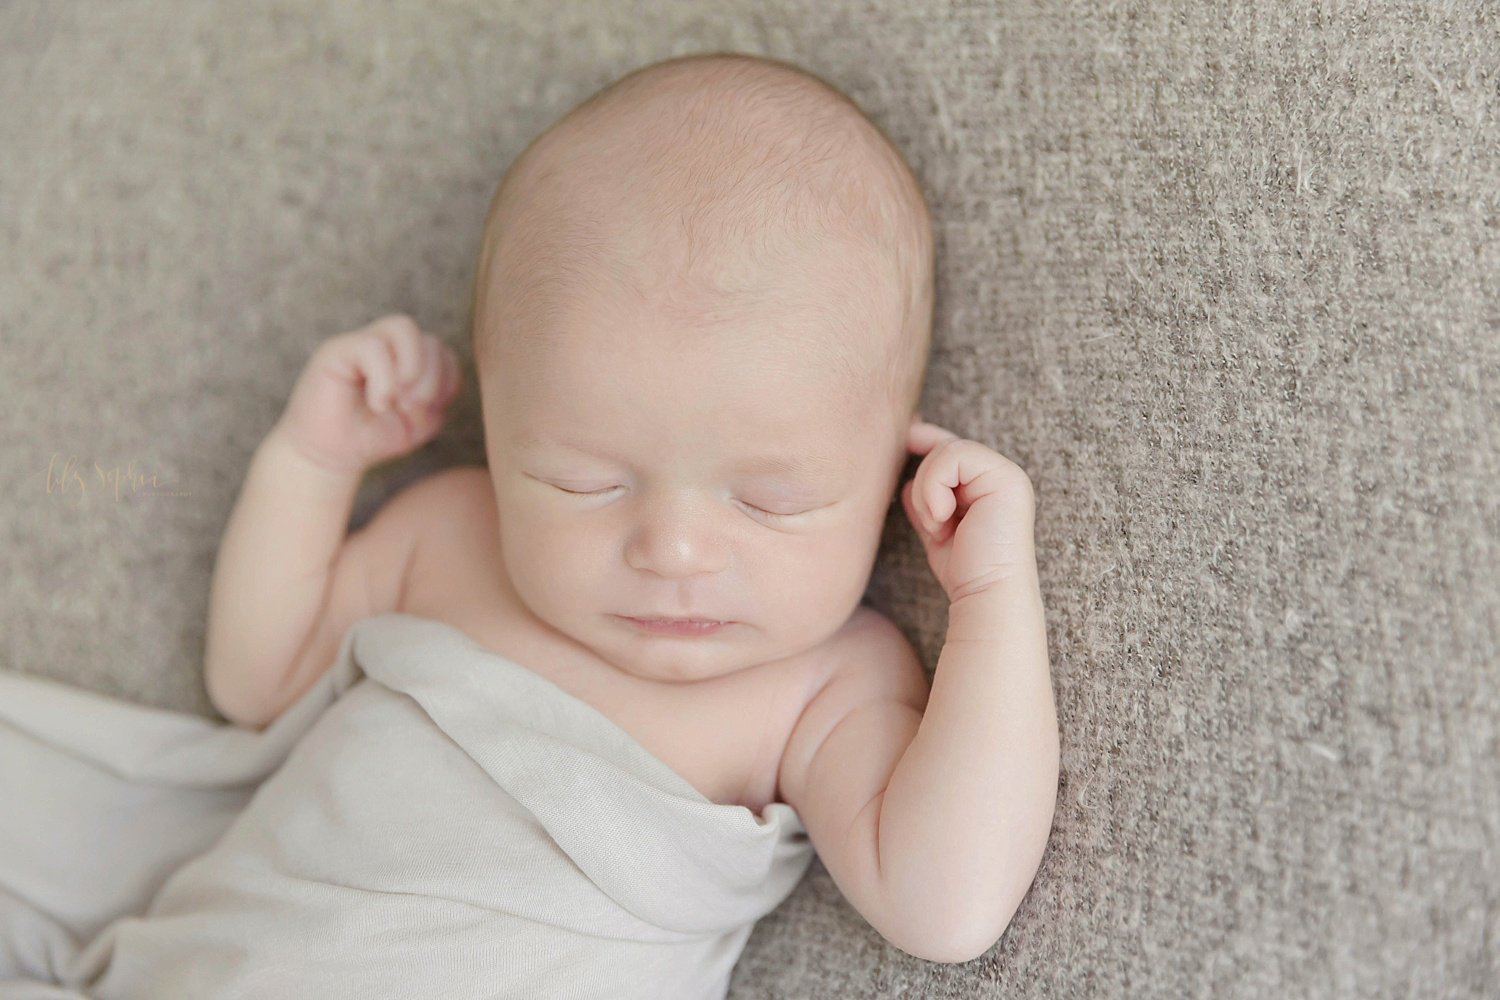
[
  {"x": 585, "y": 493},
  {"x": 769, "y": 513},
  {"x": 759, "y": 510}
]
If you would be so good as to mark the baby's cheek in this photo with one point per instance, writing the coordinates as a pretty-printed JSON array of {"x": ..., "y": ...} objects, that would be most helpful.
[
  {"x": 546, "y": 567},
  {"x": 815, "y": 576},
  {"x": 527, "y": 537}
]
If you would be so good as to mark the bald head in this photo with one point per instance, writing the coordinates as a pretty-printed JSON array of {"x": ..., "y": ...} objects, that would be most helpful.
[{"x": 709, "y": 184}]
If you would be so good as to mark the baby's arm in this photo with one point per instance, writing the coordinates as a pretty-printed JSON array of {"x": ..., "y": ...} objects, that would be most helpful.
[
  {"x": 933, "y": 823},
  {"x": 284, "y": 571},
  {"x": 969, "y": 807},
  {"x": 272, "y": 571}
]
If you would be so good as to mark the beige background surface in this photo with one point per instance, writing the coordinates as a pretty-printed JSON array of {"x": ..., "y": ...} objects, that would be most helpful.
[{"x": 1221, "y": 277}]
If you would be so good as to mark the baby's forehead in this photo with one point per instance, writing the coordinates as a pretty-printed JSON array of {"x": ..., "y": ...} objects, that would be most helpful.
[
  {"x": 813, "y": 413},
  {"x": 774, "y": 390},
  {"x": 682, "y": 164},
  {"x": 809, "y": 328},
  {"x": 691, "y": 176}
]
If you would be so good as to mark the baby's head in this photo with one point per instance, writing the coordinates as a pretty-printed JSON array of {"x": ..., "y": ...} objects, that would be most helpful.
[{"x": 702, "y": 311}]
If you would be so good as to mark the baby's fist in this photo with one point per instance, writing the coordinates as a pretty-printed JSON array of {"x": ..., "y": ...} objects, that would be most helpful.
[
  {"x": 974, "y": 511},
  {"x": 371, "y": 395}
]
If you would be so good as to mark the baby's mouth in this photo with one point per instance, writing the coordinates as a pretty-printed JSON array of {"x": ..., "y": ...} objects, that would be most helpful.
[{"x": 677, "y": 626}]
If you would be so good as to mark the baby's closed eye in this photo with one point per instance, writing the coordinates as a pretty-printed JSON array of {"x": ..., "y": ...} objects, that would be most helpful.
[
  {"x": 787, "y": 510},
  {"x": 586, "y": 492},
  {"x": 773, "y": 513}
]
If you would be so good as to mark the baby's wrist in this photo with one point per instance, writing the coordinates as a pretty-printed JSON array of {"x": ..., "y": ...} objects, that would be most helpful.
[
  {"x": 988, "y": 614},
  {"x": 284, "y": 439}
]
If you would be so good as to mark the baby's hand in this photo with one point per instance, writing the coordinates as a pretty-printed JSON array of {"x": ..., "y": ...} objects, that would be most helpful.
[
  {"x": 371, "y": 395},
  {"x": 973, "y": 509}
]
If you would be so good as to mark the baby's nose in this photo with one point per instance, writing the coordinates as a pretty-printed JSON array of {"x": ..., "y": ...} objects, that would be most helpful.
[{"x": 678, "y": 539}]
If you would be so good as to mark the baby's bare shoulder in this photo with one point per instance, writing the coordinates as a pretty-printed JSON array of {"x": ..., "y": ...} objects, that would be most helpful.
[
  {"x": 457, "y": 492},
  {"x": 460, "y": 482},
  {"x": 450, "y": 505},
  {"x": 868, "y": 659},
  {"x": 871, "y": 642},
  {"x": 833, "y": 774},
  {"x": 865, "y": 633}
]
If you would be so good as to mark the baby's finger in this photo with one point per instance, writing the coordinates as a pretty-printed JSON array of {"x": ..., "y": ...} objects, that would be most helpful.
[
  {"x": 431, "y": 371},
  {"x": 373, "y": 356},
  {"x": 405, "y": 339},
  {"x": 932, "y": 529},
  {"x": 967, "y": 470},
  {"x": 934, "y": 494},
  {"x": 913, "y": 513},
  {"x": 919, "y": 505},
  {"x": 938, "y": 474},
  {"x": 923, "y": 437}
]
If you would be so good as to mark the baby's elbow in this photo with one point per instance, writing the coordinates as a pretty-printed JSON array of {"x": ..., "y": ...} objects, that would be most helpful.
[
  {"x": 956, "y": 945},
  {"x": 951, "y": 951}
]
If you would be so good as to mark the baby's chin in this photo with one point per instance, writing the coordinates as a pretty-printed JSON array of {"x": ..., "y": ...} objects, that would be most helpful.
[{"x": 674, "y": 659}]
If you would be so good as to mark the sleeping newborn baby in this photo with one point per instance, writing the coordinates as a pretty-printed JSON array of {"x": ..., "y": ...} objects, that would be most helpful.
[{"x": 702, "y": 311}]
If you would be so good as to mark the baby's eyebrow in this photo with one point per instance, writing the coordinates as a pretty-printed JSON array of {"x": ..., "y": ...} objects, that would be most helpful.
[{"x": 795, "y": 465}]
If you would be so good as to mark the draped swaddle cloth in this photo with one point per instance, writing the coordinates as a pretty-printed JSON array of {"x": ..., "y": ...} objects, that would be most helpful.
[{"x": 429, "y": 819}]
